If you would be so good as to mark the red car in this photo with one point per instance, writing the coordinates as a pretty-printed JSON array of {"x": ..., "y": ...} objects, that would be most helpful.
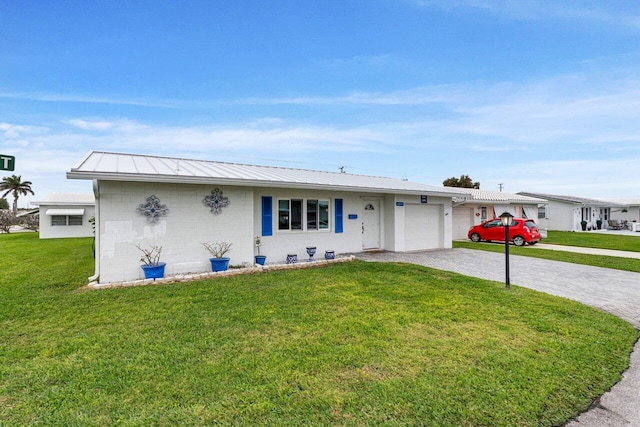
[{"x": 521, "y": 231}]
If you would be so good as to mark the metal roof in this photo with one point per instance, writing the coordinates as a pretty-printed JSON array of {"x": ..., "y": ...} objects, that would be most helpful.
[
  {"x": 573, "y": 199},
  {"x": 499, "y": 196},
  {"x": 108, "y": 166},
  {"x": 627, "y": 201}
]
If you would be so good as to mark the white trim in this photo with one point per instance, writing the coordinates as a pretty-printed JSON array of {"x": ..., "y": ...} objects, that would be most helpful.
[{"x": 64, "y": 212}]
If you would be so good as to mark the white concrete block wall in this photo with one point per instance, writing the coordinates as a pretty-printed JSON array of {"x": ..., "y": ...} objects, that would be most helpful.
[
  {"x": 181, "y": 232},
  {"x": 393, "y": 234},
  {"x": 189, "y": 223},
  {"x": 392, "y": 229},
  {"x": 283, "y": 242},
  {"x": 560, "y": 216},
  {"x": 48, "y": 231},
  {"x": 447, "y": 221}
]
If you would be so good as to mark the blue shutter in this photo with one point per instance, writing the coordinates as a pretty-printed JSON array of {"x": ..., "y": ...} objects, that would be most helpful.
[
  {"x": 267, "y": 216},
  {"x": 338, "y": 209}
]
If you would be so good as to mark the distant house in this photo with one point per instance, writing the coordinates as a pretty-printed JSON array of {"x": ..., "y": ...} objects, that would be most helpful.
[
  {"x": 181, "y": 203},
  {"x": 484, "y": 205},
  {"x": 565, "y": 213},
  {"x": 630, "y": 210},
  {"x": 66, "y": 215}
]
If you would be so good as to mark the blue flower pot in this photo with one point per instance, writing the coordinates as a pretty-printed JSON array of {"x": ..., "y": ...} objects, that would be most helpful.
[
  {"x": 330, "y": 255},
  {"x": 219, "y": 264},
  {"x": 154, "y": 271},
  {"x": 260, "y": 259},
  {"x": 311, "y": 250},
  {"x": 292, "y": 258}
]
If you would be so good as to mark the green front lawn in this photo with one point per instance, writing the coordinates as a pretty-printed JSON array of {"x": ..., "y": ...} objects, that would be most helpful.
[
  {"x": 351, "y": 344},
  {"x": 600, "y": 241},
  {"x": 594, "y": 240},
  {"x": 617, "y": 263}
]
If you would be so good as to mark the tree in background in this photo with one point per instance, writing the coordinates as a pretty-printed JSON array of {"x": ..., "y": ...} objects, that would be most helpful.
[
  {"x": 464, "y": 181},
  {"x": 7, "y": 220},
  {"x": 30, "y": 222},
  {"x": 13, "y": 184},
  {"x": 4, "y": 204}
]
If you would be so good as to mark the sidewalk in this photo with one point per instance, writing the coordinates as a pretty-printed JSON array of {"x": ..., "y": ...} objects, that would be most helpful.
[{"x": 591, "y": 251}]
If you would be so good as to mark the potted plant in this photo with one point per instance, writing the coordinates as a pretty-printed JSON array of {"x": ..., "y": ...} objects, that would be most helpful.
[
  {"x": 151, "y": 265},
  {"x": 599, "y": 224},
  {"x": 218, "y": 250},
  {"x": 311, "y": 251},
  {"x": 584, "y": 223},
  {"x": 260, "y": 259}
]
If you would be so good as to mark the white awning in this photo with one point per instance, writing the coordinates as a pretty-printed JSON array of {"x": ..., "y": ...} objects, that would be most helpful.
[{"x": 64, "y": 212}]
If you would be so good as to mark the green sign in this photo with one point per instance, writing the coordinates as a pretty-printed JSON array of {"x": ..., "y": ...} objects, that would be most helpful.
[{"x": 7, "y": 163}]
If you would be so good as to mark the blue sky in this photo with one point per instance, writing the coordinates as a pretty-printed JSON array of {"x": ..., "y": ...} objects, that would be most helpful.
[{"x": 539, "y": 95}]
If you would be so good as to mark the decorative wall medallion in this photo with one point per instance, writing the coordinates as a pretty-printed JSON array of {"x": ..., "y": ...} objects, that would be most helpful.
[
  {"x": 152, "y": 209},
  {"x": 216, "y": 201}
]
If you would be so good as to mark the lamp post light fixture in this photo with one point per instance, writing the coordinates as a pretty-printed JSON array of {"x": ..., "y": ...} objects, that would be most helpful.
[{"x": 506, "y": 219}]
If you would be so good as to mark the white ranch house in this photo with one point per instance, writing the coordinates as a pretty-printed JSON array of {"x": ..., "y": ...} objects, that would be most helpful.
[
  {"x": 66, "y": 215},
  {"x": 565, "y": 213},
  {"x": 629, "y": 212},
  {"x": 181, "y": 203},
  {"x": 486, "y": 204}
]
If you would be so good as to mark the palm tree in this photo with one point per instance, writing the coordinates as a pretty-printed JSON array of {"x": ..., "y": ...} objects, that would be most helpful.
[{"x": 13, "y": 184}]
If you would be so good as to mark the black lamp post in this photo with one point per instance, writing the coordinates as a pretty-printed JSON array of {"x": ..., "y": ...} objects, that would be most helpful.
[{"x": 506, "y": 219}]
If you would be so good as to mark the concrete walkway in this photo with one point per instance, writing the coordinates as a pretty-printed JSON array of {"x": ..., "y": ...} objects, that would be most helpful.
[
  {"x": 591, "y": 251},
  {"x": 614, "y": 291}
]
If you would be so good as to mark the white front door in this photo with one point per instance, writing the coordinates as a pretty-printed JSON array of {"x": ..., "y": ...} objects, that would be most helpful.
[{"x": 371, "y": 224}]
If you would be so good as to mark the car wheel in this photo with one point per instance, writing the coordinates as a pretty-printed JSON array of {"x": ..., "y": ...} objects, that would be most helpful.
[
  {"x": 532, "y": 243},
  {"x": 475, "y": 237},
  {"x": 518, "y": 241}
]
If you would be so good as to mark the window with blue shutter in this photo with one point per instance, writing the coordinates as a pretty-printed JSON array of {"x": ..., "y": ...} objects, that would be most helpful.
[
  {"x": 267, "y": 216},
  {"x": 338, "y": 210}
]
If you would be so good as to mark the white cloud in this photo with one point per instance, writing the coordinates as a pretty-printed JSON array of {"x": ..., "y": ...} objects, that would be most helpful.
[
  {"x": 597, "y": 178},
  {"x": 88, "y": 99},
  {"x": 590, "y": 117},
  {"x": 122, "y": 125},
  {"x": 11, "y": 131},
  {"x": 618, "y": 13},
  {"x": 584, "y": 107},
  {"x": 93, "y": 125}
]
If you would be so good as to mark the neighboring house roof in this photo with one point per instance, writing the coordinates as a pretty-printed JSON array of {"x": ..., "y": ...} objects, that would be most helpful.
[
  {"x": 626, "y": 201},
  {"x": 501, "y": 197},
  {"x": 133, "y": 167},
  {"x": 28, "y": 212},
  {"x": 67, "y": 199},
  {"x": 574, "y": 200}
]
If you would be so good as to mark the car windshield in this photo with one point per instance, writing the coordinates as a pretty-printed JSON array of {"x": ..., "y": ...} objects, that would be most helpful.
[{"x": 530, "y": 224}]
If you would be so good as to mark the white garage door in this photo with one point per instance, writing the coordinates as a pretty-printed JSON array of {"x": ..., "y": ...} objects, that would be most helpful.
[
  {"x": 422, "y": 227},
  {"x": 462, "y": 222}
]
